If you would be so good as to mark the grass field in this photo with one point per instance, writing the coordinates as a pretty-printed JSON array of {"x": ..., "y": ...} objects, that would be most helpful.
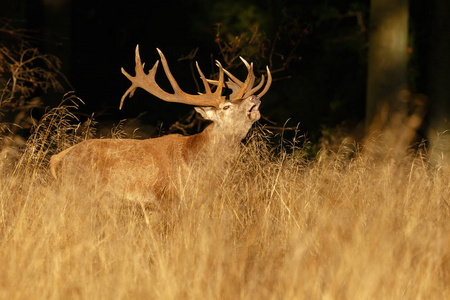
[{"x": 371, "y": 223}]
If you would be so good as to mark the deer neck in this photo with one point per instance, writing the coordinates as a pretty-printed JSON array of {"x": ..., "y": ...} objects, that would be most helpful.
[
  {"x": 218, "y": 136},
  {"x": 215, "y": 142}
]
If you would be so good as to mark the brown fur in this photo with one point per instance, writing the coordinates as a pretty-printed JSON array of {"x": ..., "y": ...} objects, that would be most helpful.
[{"x": 147, "y": 167}]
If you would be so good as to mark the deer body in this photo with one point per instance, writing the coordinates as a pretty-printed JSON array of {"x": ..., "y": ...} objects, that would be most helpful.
[
  {"x": 149, "y": 165},
  {"x": 160, "y": 166}
]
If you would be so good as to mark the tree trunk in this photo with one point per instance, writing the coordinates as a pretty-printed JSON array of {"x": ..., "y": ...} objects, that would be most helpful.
[
  {"x": 387, "y": 65},
  {"x": 439, "y": 84}
]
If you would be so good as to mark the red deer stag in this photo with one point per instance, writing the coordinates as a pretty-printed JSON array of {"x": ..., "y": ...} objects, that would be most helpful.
[{"x": 153, "y": 167}]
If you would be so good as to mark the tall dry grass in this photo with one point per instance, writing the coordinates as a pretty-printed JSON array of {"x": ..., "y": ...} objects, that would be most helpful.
[{"x": 371, "y": 223}]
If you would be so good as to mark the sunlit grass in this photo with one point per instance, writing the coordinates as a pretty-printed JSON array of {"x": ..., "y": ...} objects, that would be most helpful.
[{"x": 370, "y": 225}]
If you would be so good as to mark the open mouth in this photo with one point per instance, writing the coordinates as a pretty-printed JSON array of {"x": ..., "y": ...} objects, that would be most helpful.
[
  {"x": 253, "y": 113},
  {"x": 253, "y": 109}
]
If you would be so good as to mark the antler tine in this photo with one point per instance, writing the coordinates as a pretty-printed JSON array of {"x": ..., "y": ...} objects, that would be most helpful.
[
  {"x": 221, "y": 78},
  {"x": 256, "y": 88},
  {"x": 148, "y": 83},
  {"x": 252, "y": 78},
  {"x": 245, "y": 62},
  {"x": 204, "y": 80},
  {"x": 250, "y": 84},
  {"x": 173, "y": 82},
  {"x": 247, "y": 80},
  {"x": 269, "y": 82},
  {"x": 234, "y": 79}
]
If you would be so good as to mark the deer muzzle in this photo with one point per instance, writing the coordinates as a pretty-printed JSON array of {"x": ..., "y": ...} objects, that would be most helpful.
[
  {"x": 253, "y": 112},
  {"x": 256, "y": 102}
]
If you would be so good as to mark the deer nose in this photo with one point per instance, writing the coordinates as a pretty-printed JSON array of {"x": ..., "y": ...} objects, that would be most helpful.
[{"x": 255, "y": 99}]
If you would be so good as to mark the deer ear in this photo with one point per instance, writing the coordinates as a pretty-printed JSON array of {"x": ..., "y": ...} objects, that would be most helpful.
[{"x": 206, "y": 112}]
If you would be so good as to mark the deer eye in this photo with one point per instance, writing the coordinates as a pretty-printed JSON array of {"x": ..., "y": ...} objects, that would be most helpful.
[{"x": 226, "y": 107}]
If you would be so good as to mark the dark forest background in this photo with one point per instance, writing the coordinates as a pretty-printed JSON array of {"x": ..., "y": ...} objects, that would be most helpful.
[{"x": 319, "y": 52}]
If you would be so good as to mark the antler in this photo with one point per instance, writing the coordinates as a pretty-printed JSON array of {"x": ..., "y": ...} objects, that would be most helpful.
[
  {"x": 245, "y": 89},
  {"x": 239, "y": 89},
  {"x": 148, "y": 83}
]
